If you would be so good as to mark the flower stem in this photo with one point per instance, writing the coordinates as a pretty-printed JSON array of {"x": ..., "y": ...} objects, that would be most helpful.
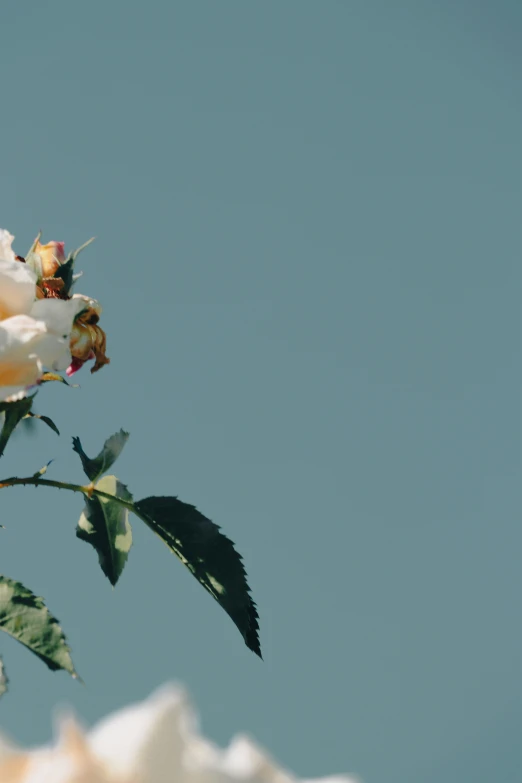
[{"x": 87, "y": 491}]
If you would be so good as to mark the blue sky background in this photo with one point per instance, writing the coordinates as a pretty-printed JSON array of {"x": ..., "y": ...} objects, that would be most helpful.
[{"x": 308, "y": 253}]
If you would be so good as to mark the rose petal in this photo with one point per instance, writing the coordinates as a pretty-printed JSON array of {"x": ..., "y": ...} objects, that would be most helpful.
[
  {"x": 6, "y": 240},
  {"x": 52, "y": 256},
  {"x": 58, "y": 316},
  {"x": 20, "y": 367},
  {"x": 17, "y": 288}
]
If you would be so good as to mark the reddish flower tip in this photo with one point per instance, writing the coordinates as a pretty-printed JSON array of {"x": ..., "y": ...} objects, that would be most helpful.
[
  {"x": 74, "y": 366},
  {"x": 77, "y": 364}
]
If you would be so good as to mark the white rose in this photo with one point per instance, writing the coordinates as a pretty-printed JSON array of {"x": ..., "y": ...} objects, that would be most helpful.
[
  {"x": 156, "y": 741},
  {"x": 33, "y": 334}
]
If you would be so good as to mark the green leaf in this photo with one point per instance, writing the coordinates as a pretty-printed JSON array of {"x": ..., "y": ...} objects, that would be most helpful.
[
  {"x": 32, "y": 259},
  {"x": 108, "y": 455},
  {"x": 209, "y": 555},
  {"x": 105, "y": 525},
  {"x": 13, "y": 412},
  {"x": 3, "y": 678},
  {"x": 25, "y": 617},
  {"x": 46, "y": 420},
  {"x": 65, "y": 272}
]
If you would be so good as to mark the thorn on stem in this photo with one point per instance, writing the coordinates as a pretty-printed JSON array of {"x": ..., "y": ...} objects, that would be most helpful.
[{"x": 89, "y": 490}]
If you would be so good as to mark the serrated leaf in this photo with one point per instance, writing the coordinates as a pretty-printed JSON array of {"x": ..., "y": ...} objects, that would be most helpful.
[
  {"x": 13, "y": 412},
  {"x": 3, "y": 678},
  {"x": 105, "y": 525},
  {"x": 25, "y": 617},
  {"x": 46, "y": 420},
  {"x": 112, "y": 449},
  {"x": 209, "y": 555}
]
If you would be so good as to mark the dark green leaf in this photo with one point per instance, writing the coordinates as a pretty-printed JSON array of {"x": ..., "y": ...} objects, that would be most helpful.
[
  {"x": 112, "y": 448},
  {"x": 25, "y": 617},
  {"x": 65, "y": 272},
  {"x": 6, "y": 407},
  {"x": 46, "y": 420},
  {"x": 209, "y": 555},
  {"x": 3, "y": 678},
  {"x": 13, "y": 412},
  {"x": 105, "y": 525}
]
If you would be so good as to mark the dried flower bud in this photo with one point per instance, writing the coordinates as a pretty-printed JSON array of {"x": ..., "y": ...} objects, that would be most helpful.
[{"x": 88, "y": 340}]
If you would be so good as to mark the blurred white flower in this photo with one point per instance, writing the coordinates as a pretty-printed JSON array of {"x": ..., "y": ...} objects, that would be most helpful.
[
  {"x": 33, "y": 334},
  {"x": 6, "y": 240},
  {"x": 156, "y": 741}
]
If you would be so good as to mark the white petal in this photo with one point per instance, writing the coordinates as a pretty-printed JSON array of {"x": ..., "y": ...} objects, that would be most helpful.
[
  {"x": 53, "y": 347},
  {"x": 89, "y": 303},
  {"x": 17, "y": 288},
  {"x": 54, "y": 352},
  {"x": 69, "y": 762},
  {"x": 20, "y": 367},
  {"x": 17, "y": 335},
  {"x": 7, "y": 748},
  {"x": 47, "y": 338},
  {"x": 15, "y": 393},
  {"x": 243, "y": 760},
  {"x": 6, "y": 240},
  {"x": 57, "y": 314},
  {"x": 157, "y": 741},
  {"x": 147, "y": 740}
]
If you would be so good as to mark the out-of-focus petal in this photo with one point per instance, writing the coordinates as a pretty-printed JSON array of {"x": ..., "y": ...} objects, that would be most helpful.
[
  {"x": 157, "y": 741},
  {"x": 6, "y": 240},
  {"x": 147, "y": 739},
  {"x": 244, "y": 760}
]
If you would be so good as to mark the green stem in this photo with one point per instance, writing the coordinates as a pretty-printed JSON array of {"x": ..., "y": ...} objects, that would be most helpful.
[{"x": 88, "y": 490}]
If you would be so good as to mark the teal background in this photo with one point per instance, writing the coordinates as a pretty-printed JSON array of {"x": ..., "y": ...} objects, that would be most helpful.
[{"x": 308, "y": 253}]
